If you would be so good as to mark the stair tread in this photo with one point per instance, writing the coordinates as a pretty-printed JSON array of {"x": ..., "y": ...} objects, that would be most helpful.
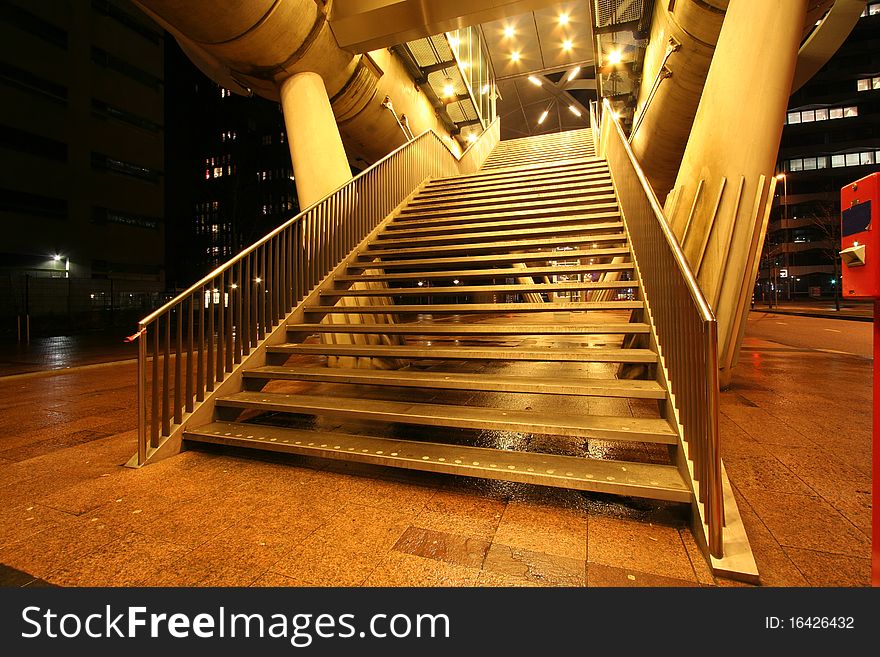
[
  {"x": 474, "y": 289},
  {"x": 423, "y": 328},
  {"x": 512, "y": 212},
  {"x": 495, "y": 258},
  {"x": 458, "y": 308},
  {"x": 409, "y": 237},
  {"x": 455, "y": 223},
  {"x": 508, "y": 272},
  {"x": 564, "y": 190},
  {"x": 524, "y": 243},
  {"x": 405, "y": 412},
  {"x": 465, "y": 381},
  {"x": 563, "y": 164},
  {"x": 533, "y": 201},
  {"x": 524, "y": 181},
  {"x": 603, "y": 476},
  {"x": 548, "y": 354}
]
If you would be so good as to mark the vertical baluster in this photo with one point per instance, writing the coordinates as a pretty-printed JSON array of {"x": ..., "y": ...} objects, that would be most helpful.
[
  {"x": 245, "y": 291},
  {"x": 228, "y": 292},
  {"x": 154, "y": 397},
  {"x": 272, "y": 284},
  {"x": 221, "y": 325},
  {"x": 200, "y": 364},
  {"x": 142, "y": 394},
  {"x": 279, "y": 281},
  {"x": 299, "y": 270},
  {"x": 178, "y": 365},
  {"x": 237, "y": 294},
  {"x": 264, "y": 285},
  {"x": 166, "y": 377},
  {"x": 190, "y": 329},
  {"x": 209, "y": 381}
]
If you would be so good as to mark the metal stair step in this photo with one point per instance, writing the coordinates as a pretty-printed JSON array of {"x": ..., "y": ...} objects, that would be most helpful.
[
  {"x": 425, "y": 328},
  {"x": 515, "y": 212},
  {"x": 522, "y": 182},
  {"x": 508, "y": 272},
  {"x": 385, "y": 240},
  {"x": 501, "y": 246},
  {"x": 660, "y": 482},
  {"x": 494, "y": 258},
  {"x": 510, "y": 218},
  {"x": 496, "y": 207},
  {"x": 394, "y": 230},
  {"x": 516, "y": 288},
  {"x": 562, "y": 190},
  {"x": 547, "y": 354},
  {"x": 600, "y": 427},
  {"x": 555, "y": 166},
  {"x": 625, "y": 388},
  {"x": 465, "y": 308}
]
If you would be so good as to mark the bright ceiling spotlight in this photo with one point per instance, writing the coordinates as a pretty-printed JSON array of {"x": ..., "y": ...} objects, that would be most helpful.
[
  {"x": 56, "y": 258},
  {"x": 574, "y": 73},
  {"x": 563, "y": 19},
  {"x": 515, "y": 56},
  {"x": 509, "y": 32},
  {"x": 543, "y": 116},
  {"x": 614, "y": 57},
  {"x": 448, "y": 88},
  {"x": 472, "y": 137},
  {"x": 574, "y": 110},
  {"x": 535, "y": 81},
  {"x": 567, "y": 45}
]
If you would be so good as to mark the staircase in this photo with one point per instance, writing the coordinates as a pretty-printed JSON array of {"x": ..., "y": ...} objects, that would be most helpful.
[{"x": 502, "y": 322}]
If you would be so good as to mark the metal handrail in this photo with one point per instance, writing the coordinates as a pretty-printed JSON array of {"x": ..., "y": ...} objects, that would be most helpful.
[
  {"x": 220, "y": 320},
  {"x": 685, "y": 327}
]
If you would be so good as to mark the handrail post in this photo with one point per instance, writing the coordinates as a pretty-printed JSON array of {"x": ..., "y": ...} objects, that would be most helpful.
[
  {"x": 142, "y": 393},
  {"x": 714, "y": 498}
]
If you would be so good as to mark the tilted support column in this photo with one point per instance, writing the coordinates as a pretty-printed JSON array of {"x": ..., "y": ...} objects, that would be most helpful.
[
  {"x": 719, "y": 205},
  {"x": 320, "y": 166}
]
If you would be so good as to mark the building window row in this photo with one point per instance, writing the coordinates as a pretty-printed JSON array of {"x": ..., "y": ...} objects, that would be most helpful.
[
  {"x": 217, "y": 167},
  {"x": 872, "y": 9},
  {"x": 838, "y": 161},
  {"x": 114, "y": 63},
  {"x": 28, "y": 142},
  {"x": 33, "y": 84},
  {"x": 821, "y": 114},
  {"x": 12, "y": 200},
  {"x": 868, "y": 84},
  {"x": 103, "y": 162},
  {"x": 33, "y": 24},
  {"x": 275, "y": 174},
  {"x": 106, "y": 110},
  {"x": 225, "y": 93},
  {"x": 228, "y": 135},
  {"x": 104, "y": 215},
  {"x": 283, "y": 203},
  {"x": 110, "y": 10}
]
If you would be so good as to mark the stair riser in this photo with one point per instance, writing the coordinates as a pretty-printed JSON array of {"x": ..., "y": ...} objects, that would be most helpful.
[
  {"x": 535, "y": 173},
  {"x": 490, "y": 233},
  {"x": 492, "y": 259},
  {"x": 564, "y": 190},
  {"x": 495, "y": 247},
  {"x": 555, "y": 206},
  {"x": 490, "y": 273}
]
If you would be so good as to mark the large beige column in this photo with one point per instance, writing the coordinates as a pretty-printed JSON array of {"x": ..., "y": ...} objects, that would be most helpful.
[
  {"x": 319, "y": 162},
  {"x": 718, "y": 207}
]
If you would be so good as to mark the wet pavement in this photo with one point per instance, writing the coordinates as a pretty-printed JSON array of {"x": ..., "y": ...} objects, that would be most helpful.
[
  {"x": 61, "y": 352},
  {"x": 795, "y": 439}
]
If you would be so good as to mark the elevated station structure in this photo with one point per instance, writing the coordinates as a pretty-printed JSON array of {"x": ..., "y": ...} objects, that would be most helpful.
[{"x": 542, "y": 275}]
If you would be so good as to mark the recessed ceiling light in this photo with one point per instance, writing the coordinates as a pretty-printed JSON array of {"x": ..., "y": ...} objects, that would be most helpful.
[
  {"x": 514, "y": 56},
  {"x": 574, "y": 73},
  {"x": 574, "y": 110},
  {"x": 535, "y": 81},
  {"x": 614, "y": 57},
  {"x": 543, "y": 116},
  {"x": 567, "y": 45},
  {"x": 509, "y": 31},
  {"x": 448, "y": 88},
  {"x": 472, "y": 137},
  {"x": 563, "y": 19}
]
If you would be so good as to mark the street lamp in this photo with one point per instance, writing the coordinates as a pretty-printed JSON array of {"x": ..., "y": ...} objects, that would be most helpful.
[{"x": 784, "y": 180}]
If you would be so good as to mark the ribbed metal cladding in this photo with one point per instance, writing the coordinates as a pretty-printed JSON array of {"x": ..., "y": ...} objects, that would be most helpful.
[{"x": 614, "y": 12}]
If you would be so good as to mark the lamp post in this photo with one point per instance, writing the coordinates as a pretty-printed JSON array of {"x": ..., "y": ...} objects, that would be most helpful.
[{"x": 784, "y": 178}]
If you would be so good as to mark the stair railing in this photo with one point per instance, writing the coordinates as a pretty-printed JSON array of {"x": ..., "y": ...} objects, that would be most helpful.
[
  {"x": 206, "y": 332},
  {"x": 685, "y": 327}
]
